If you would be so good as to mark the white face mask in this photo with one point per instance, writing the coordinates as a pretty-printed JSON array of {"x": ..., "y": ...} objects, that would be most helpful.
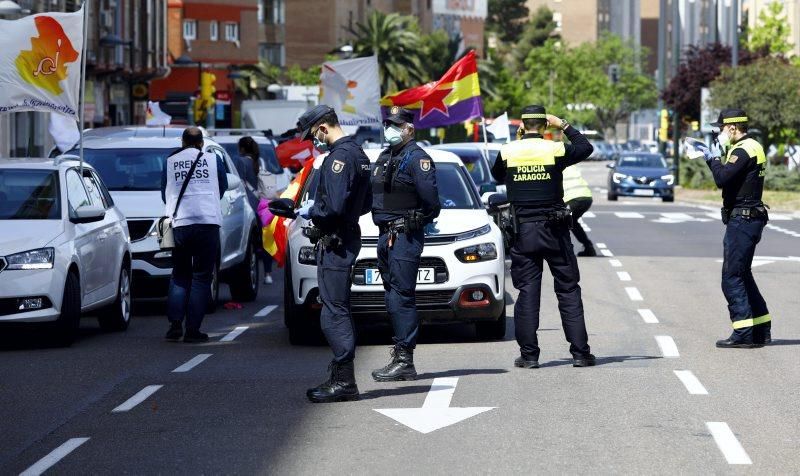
[
  {"x": 724, "y": 139},
  {"x": 393, "y": 135}
]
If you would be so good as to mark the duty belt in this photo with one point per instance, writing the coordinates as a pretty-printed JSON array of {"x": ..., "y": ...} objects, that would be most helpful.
[
  {"x": 397, "y": 226},
  {"x": 750, "y": 212}
]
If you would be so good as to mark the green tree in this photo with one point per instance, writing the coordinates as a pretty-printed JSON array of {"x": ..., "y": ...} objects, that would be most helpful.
[
  {"x": 438, "y": 53},
  {"x": 257, "y": 77},
  {"x": 507, "y": 18},
  {"x": 536, "y": 32},
  {"x": 303, "y": 77},
  {"x": 772, "y": 32},
  {"x": 395, "y": 39},
  {"x": 769, "y": 91}
]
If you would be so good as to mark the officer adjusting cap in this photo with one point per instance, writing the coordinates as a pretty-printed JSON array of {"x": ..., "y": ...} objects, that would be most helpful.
[
  {"x": 399, "y": 116},
  {"x": 730, "y": 116},
  {"x": 533, "y": 112},
  {"x": 311, "y": 118}
]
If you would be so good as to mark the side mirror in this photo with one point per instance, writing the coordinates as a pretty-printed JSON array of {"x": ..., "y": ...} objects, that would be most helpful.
[
  {"x": 283, "y": 207},
  {"x": 488, "y": 187},
  {"x": 233, "y": 182},
  {"x": 497, "y": 201},
  {"x": 610, "y": 166},
  {"x": 88, "y": 214}
]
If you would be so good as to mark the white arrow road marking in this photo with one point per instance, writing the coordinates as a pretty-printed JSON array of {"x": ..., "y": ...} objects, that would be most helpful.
[
  {"x": 54, "y": 457},
  {"x": 727, "y": 443},
  {"x": 436, "y": 412},
  {"x": 762, "y": 260}
]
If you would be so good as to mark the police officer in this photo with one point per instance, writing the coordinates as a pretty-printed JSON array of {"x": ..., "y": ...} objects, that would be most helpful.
[
  {"x": 532, "y": 170},
  {"x": 342, "y": 196},
  {"x": 741, "y": 178},
  {"x": 405, "y": 200},
  {"x": 578, "y": 197}
]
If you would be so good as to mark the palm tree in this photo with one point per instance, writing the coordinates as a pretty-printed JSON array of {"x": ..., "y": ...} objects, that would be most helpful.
[
  {"x": 394, "y": 39},
  {"x": 256, "y": 79}
]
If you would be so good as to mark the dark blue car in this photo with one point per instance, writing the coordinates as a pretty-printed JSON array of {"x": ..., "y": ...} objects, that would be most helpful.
[{"x": 641, "y": 174}]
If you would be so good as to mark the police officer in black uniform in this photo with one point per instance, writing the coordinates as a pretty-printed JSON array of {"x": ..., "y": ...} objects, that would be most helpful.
[
  {"x": 741, "y": 178},
  {"x": 405, "y": 199},
  {"x": 532, "y": 170},
  {"x": 342, "y": 196}
]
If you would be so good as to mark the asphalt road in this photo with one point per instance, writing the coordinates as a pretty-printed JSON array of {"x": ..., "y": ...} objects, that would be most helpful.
[{"x": 662, "y": 400}]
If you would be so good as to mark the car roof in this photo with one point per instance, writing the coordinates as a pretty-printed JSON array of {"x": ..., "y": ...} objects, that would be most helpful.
[
  {"x": 138, "y": 142},
  {"x": 468, "y": 145},
  {"x": 138, "y": 131},
  {"x": 230, "y": 139},
  {"x": 38, "y": 163}
]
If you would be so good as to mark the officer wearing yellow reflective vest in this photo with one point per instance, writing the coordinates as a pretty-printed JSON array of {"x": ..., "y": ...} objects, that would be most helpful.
[
  {"x": 532, "y": 169},
  {"x": 741, "y": 178},
  {"x": 578, "y": 197}
]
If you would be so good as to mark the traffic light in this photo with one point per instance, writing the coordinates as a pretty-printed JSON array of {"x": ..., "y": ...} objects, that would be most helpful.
[
  {"x": 613, "y": 73},
  {"x": 207, "y": 89},
  {"x": 663, "y": 130}
]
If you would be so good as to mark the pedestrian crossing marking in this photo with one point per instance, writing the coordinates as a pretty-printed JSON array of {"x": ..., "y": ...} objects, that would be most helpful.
[{"x": 628, "y": 215}]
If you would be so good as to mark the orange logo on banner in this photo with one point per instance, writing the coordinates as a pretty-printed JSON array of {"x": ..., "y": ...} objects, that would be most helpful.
[{"x": 45, "y": 64}]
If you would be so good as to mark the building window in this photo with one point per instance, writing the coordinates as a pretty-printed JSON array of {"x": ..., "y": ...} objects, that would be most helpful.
[
  {"x": 189, "y": 29},
  {"x": 213, "y": 33},
  {"x": 558, "y": 20},
  {"x": 260, "y": 12},
  {"x": 275, "y": 11},
  {"x": 272, "y": 53},
  {"x": 232, "y": 32}
]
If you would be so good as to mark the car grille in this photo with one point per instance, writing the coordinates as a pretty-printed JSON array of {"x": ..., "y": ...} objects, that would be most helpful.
[
  {"x": 643, "y": 180},
  {"x": 3, "y": 264},
  {"x": 368, "y": 301},
  {"x": 139, "y": 229},
  {"x": 429, "y": 240},
  {"x": 438, "y": 265}
]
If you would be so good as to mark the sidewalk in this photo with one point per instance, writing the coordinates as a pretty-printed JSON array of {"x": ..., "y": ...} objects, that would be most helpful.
[{"x": 784, "y": 202}]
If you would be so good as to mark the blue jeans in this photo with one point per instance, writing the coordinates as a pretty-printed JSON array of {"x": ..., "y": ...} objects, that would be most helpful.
[
  {"x": 398, "y": 266},
  {"x": 748, "y": 310},
  {"x": 193, "y": 259}
]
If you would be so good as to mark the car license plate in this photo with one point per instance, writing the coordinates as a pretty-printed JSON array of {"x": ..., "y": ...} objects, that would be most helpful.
[
  {"x": 645, "y": 192},
  {"x": 424, "y": 276}
]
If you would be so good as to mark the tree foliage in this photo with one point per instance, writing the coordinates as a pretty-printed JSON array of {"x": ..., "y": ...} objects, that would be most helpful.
[
  {"x": 771, "y": 34},
  {"x": 768, "y": 90},
  {"x": 438, "y": 53},
  {"x": 536, "y": 32},
  {"x": 507, "y": 18}
]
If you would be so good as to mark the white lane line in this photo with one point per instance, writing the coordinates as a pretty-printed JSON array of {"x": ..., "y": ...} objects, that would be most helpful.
[
  {"x": 727, "y": 443},
  {"x": 691, "y": 382},
  {"x": 615, "y": 263},
  {"x": 772, "y": 216},
  {"x": 140, "y": 396},
  {"x": 54, "y": 457},
  {"x": 264, "y": 312},
  {"x": 678, "y": 216},
  {"x": 667, "y": 346},
  {"x": 634, "y": 294},
  {"x": 606, "y": 252},
  {"x": 584, "y": 225},
  {"x": 592, "y": 215},
  {"x": 196, "y": 360},
  {"x": 628, "y": 215},
  {"x": 648, "y": 316},
  {"x": 234, "y": 333},
  {"x": 602, "y": 245},
  {"x": 623, "y": 276}
]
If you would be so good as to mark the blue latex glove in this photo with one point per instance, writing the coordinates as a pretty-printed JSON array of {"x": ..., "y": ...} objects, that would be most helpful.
[
  {"x": 305, "y": 209},
  {"x": 430, "y": 229},
  {"x": 716, "y": 150},
  {"x": 708, "y": 154}
]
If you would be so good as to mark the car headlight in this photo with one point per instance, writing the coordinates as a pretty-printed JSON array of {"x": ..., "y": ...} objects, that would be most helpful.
[
  {"x": 618, "y": 177},
  {"x": 307, "y": 255},
  {"x": 33, "y": 259},
  {"x": 669, "y": 179},
  {"x": 474, "y": 233},
  {"x": 476, "y": 253}
]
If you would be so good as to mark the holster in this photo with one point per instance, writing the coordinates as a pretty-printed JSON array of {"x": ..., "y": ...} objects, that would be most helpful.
[
  {"x": 562, "y": 217},
  {"x": 726, "y": 215},
  {"x": 413, "y": 221}
]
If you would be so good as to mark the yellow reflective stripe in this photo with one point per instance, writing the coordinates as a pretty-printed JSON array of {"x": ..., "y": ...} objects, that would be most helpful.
[
  {"x": 732, "y": 120},
  {"x": 534, "y": 116},
  {"x": 751, "y": 322},
  {"x": 753, "y": 149},
  {"x": 531, "y": 152}
]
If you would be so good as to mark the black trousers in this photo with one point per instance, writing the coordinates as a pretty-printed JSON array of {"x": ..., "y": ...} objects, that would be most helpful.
[
  {"x": 536, "y": 243},
  {"x": 334, "y": 268},
  {"x": 398, "y": 265},
  {"x": 578, "y": 207}
]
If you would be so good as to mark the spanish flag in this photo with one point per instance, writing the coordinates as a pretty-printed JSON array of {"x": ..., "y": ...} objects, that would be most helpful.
[
  {"x": 453, "y": 99},
  {"x": 274, "y": 235}
]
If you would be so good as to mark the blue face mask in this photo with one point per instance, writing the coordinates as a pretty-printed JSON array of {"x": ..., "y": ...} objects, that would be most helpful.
[
  {"x": 321, "y": 146},
  {"x": 393, "y": 135}
]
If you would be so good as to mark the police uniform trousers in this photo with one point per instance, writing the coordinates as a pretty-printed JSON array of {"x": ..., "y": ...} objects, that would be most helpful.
[
  {"x": 398, "y": 266},
  {"x": 334, "y": 271},
  {"x": 747, "y": 307},
  {"x": 537, "y": 242},
  {"x": 578, "y": 207}
]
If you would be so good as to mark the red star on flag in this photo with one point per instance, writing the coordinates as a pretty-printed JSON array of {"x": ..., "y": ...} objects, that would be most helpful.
[{"x": 434, "y": 101}]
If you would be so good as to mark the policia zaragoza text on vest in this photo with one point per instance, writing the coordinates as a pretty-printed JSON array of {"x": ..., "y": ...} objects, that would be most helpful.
[
  {"x": 741, "y": 178},
  {"x": 532, "y": 170}
]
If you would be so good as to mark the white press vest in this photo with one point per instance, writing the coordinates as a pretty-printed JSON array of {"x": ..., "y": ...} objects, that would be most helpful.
[{"x": 200, "y": 204}]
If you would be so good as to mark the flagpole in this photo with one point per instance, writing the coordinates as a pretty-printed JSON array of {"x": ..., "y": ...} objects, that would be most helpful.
[
  {"x": 485, "y": 139},
  {"x": 81, "y": 113}
]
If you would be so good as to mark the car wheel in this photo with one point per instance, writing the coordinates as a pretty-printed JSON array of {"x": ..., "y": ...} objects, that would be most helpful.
[
  {"x": 493, "y": 330},
  {"x": 65, "y": 329},
  {"x": 668, "y": 199},
  {"x": 244, "y": 282},
  {"x": 213, "y": 300},
  {"x": 612, "y": 197},
  {"x": 117, "y": 317}
]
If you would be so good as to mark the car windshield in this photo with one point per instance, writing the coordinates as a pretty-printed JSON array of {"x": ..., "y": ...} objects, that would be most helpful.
[
  {"x": 475, "y": 164},
  {"x": 129, "y": 169},
  {"x": 265, "y": 151},
  {"x": 29, "y": 195},
  {"x": 643, "y": 160},
  {"x": 455, "y": 192}
]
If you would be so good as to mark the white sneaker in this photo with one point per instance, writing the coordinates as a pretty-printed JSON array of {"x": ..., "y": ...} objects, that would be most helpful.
[{"x": 268, "y": 279}]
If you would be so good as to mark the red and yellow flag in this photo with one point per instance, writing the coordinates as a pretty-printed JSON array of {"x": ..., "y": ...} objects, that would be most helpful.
[{"x": 274, "y": 237}]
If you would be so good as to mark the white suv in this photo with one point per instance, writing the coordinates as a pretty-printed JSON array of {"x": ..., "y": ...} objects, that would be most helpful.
[
  {"x": 462, "y": 271},
  {"x": 64, "y": 248},
  {"x": 131, "y": 163}
]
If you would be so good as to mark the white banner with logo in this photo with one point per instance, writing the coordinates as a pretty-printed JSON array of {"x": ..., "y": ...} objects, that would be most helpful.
[
  {"x": 40, "y": 63},
  {"x": 352, "y": 88}
]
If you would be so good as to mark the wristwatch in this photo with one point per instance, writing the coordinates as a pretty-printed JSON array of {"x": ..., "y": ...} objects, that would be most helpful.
[{"x": 564, "y": 124}]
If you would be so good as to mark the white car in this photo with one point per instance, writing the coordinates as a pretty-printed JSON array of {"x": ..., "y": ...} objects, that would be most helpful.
[
  {"x": 64, "y": 248},
  {"x": 462, "y": 271},
  {"x": 131, "y": 166}
]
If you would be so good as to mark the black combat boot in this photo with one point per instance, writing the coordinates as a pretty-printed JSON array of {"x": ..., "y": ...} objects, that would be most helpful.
[
  {"x": 340, "y": 387},
  {"x": 400, "y": 368},
  {"x": 733, "y": 342}
]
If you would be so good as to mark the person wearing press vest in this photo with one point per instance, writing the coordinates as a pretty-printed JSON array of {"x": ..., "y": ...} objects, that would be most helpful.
[{"x": 192, "y": 185}]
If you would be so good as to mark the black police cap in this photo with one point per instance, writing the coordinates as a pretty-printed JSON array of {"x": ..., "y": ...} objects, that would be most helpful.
[
  {"x": 311, "y": 118},
  {"x": 533, "y": 112},
  {"x": 730, "y": 116},
  {"x": 399, "y": 116}
]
